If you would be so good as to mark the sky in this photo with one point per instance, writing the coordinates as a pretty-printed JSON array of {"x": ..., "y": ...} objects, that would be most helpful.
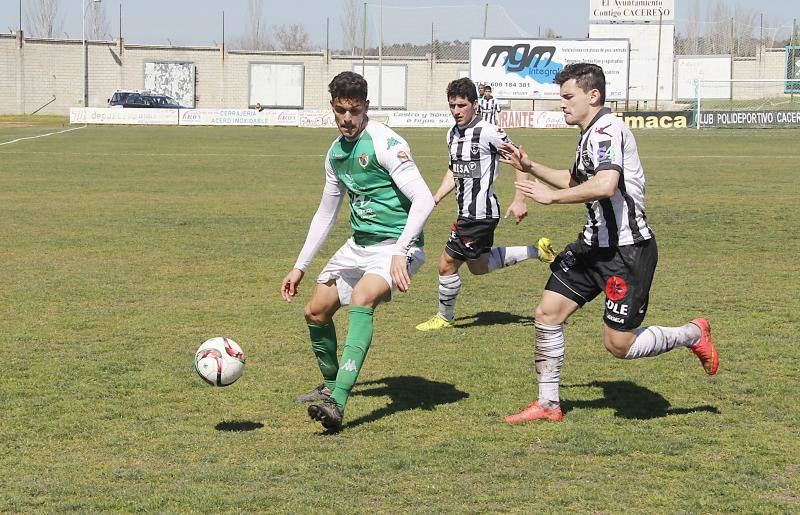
[{"x": 199, "y": 22}]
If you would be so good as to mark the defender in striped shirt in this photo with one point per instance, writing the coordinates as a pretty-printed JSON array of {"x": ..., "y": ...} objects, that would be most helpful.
[
  {"x": 473, "y": 146},
  {"x": 616, "y": 253}
]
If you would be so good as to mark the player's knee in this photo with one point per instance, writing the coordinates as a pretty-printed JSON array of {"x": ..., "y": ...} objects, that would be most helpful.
[
  {"x": 315, "y": 315},
  {"x": 616, "y": 346},
  {"x": 547, "y": 316},
  {"x": 447, "y": 266},
  {"x": 364, "y": 300}
]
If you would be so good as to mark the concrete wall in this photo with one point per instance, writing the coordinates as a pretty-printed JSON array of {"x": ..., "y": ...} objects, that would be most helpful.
[{"x": 35, "y": 71}]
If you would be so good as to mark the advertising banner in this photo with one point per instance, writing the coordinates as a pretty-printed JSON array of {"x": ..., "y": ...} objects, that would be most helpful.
[
  {"x": 621, "y": 11},
  {"x": 750, "y": 119},
  {"x": 316, "y": 119},
  {"x": 120, "y": 116},
  {"x": 658, "y": 119},
  {"x": 240, "y": 117},
  {"x": 525, "y": 68},
  {"x": 532, "y": 120},
  {"x": 420, "y": 119}
]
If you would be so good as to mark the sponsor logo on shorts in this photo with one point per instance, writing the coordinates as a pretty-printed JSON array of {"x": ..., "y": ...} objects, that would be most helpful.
[
  {"x": 616, "y": 288},
  {"x": 568, "y": 261},
  {"x": 619, "y": 309},
  {"x": 615, "y": 319}
]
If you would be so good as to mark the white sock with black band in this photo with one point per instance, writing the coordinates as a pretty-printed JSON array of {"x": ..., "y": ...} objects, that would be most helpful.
[
  {"x": 449, "y": 288},
  {"x": 654, "y": 340},
  {"x": 501, "y": 257},
  {"x": 549, "y": 357}
]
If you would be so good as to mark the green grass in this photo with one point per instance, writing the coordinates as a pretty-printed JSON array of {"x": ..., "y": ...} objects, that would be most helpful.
[{"x": 125, "y": 248}]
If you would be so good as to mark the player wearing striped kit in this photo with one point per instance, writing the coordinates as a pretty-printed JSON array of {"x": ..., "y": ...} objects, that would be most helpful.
[
  {"x": 474, "y": 166},
  {"x": 616, "y": 253},
  {"x": 488, "y": 107}
]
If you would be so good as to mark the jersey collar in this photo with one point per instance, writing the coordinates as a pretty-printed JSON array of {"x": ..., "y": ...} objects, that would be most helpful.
[
  {"x": 604, "y": 111},
  {"x": 470, "y": 125}
]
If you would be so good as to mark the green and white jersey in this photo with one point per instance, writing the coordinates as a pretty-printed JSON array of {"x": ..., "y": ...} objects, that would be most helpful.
[{"x": 371, "y": 169}]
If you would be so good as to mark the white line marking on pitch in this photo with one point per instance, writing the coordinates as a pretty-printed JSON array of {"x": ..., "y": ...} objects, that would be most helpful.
[
  {"x": 442, "y": 156},
  {"x": 41, "y": 135}
]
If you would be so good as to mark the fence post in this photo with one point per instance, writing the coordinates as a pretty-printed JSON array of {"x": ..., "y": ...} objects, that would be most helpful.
[
  {"x": 658, "y": 59},
  {"x": 364, "y": 42}
]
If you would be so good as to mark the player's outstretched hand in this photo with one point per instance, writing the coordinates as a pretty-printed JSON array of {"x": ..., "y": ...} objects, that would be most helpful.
[
  {"x": 535, "y": 190},
  {"x": 515, "y": 156},
  {"x": 290, "y": 282},
  {"x": 519, "y": 209},
  {"x": 399, "y": 271}
]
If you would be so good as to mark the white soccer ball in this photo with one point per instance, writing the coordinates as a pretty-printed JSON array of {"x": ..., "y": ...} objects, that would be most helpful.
[{"x": 219, "y": 361}]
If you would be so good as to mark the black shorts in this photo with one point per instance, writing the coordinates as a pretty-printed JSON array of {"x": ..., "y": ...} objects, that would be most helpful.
[
  {"x": 625, "y": 273},
  {"x": 469, "y": 239}
]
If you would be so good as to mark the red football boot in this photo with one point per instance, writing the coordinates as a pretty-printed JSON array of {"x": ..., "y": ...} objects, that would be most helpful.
[
  {"x": 704, "y": 349},
  {"x": 536, "y": 412}
]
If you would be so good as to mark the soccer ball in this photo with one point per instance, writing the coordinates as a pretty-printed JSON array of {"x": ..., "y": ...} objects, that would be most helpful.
[{"x": 219, "y": 361}]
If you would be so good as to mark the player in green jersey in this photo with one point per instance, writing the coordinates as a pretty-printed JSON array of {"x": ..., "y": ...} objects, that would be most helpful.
[{"x": 389, "y": 205}]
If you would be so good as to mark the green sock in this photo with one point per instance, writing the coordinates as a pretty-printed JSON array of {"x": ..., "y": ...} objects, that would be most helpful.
[
  {"x": 323, "y": 341},
  {"x": 359, "y": 337}
]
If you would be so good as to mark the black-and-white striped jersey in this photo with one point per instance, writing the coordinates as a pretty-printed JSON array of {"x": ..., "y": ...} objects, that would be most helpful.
[
  {"x": 475, "y": 163},
  {"x": 488, "y": 109},
  {"x": 608, "y": 144}
]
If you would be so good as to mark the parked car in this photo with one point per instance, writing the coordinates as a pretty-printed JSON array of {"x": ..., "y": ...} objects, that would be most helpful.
[{"x": 142, "y": 99}]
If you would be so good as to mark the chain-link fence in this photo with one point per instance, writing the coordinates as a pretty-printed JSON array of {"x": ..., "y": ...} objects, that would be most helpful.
[{"x": 733, "y": 37}]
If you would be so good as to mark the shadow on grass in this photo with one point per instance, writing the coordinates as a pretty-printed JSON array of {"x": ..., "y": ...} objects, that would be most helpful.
[
  {"x": 405, "y": 393},
  {"x": 238, "y": 425},
  {"x": 631, "y": 401},
  {"x": 492, "y": 318}
]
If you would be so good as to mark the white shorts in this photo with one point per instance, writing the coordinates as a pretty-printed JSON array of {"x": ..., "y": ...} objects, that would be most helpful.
[{"x": 352, "y": 261}]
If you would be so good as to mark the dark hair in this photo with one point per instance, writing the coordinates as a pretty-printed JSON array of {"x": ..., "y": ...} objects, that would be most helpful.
[
  {"x": 348, "y": 85},
  {"x": 487, "y": 88},
  {"x": 463, "y": 87},
  {"x": 587, "y": 76}
]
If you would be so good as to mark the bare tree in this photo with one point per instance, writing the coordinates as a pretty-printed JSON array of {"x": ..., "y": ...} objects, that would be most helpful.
[
  {"x": 351, "y": 24},
  {"x": 292, "y": 38},
  {"x": 43, "y": 18},
  {"x": 722, "y": 29},
  {"x": 98, "y": 22},
  {"x": 255, "y": 36}
]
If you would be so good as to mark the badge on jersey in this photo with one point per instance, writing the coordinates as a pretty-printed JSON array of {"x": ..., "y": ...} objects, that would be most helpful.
[
  {"x": 403, "y": 157},
  {"x": 605, "y": 152},
  {"x": 363, "y": 160}
]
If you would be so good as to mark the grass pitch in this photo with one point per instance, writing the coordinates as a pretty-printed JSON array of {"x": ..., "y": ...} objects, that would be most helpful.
[{"x": 125, "y": 248}]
